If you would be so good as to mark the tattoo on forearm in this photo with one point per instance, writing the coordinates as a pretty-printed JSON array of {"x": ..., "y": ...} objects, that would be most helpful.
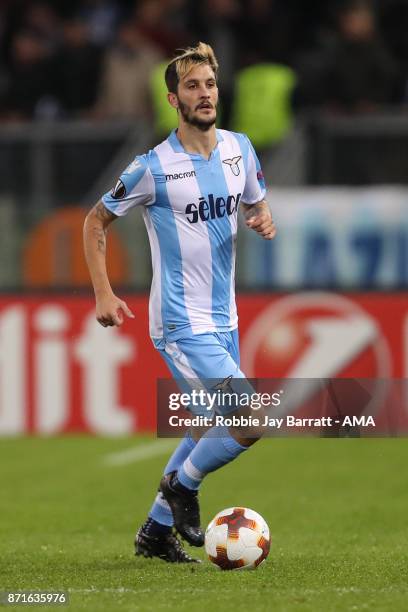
[
  {"x": 103, "y": 214},
  {"x": 100, "y": 236}
]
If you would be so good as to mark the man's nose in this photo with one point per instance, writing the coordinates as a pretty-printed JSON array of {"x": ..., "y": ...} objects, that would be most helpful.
[{"x": 204, "y": 91}]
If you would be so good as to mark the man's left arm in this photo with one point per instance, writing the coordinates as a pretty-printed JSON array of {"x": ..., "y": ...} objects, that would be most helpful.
[{"x": 259, "y": 218}]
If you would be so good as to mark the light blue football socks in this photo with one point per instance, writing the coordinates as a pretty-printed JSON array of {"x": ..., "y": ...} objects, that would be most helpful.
[
  {"x": 212, "y": 451},
  {"x": 160, "y": 511},
  {"x": 192, "y": 461},
  {"x": 181, "y": 453}
]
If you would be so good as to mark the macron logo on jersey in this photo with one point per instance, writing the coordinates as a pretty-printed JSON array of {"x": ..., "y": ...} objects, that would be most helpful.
[
  {"x": 180, "y": 175},
  {"x": 212, "y": 208}
]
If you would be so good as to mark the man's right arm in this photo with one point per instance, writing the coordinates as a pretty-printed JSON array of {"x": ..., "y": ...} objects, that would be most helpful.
[{"x": 109, "y": 308}]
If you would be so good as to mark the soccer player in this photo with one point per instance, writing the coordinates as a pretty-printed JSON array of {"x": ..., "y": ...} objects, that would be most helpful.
[{"x": 190, "y": 188}]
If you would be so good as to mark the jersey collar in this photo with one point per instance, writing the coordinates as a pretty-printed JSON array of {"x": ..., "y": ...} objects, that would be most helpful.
[{"x": 178, "y": 147}]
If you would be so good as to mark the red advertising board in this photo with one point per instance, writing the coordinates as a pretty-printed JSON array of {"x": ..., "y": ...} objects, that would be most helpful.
[{"x": 62, "y": 372}]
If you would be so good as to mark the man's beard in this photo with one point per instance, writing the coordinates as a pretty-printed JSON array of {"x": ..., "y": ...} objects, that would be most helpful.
[{"x": 201, "y": 124}]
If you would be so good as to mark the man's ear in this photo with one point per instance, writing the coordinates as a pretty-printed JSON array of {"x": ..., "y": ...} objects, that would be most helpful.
[{"x": 173, "y": 101}]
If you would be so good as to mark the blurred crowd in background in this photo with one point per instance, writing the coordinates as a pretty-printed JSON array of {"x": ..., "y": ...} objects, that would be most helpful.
[{"x": 93, "y": 58}]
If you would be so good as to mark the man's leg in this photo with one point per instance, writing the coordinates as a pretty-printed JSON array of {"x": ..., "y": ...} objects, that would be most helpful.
[
  {"x": 207, "y": 356},
  {"x": 156, "y": 532},
  {"x": 160, "y": 519},
  {"x": 155, "y": 537}
]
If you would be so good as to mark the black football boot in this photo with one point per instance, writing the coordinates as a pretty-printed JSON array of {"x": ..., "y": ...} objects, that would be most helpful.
[
  {"x": 167, "y": 547},
  {"x": 185, "y": 509}
]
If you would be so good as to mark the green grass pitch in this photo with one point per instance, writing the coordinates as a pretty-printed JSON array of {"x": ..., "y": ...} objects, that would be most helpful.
[{"x": 337, "y": 511}]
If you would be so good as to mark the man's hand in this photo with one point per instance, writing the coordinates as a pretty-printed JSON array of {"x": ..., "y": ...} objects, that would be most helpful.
[
  {"x": 258, "y": 217},
  {"x": 110, "y": 309}
]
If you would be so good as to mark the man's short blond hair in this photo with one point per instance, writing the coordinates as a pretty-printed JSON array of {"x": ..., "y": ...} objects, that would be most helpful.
[{"x": 185, "y": 60}]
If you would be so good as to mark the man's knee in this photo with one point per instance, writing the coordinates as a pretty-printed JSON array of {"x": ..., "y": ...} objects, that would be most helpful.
[{"x": 242, "y": 437}]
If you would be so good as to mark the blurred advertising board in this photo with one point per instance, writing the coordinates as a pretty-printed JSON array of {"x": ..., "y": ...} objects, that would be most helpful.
[
  {"x": 349, "y": 238},
  {"x": 61, "y": 372}
]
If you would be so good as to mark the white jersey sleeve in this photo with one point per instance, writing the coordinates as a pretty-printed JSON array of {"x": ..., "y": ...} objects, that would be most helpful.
[
  {"x": 254, "y": 190},
  {"x": 134, "y": 187}
]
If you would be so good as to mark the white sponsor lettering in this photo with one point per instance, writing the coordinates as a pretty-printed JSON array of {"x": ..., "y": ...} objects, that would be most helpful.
[
  {"x": 12, "y": 371},
  {"x": 101, "y": 352},
  {"x": 51, "y": 370}
]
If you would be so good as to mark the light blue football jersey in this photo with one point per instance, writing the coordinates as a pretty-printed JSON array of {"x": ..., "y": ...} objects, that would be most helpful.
[{"x": 190, "y": 206}]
